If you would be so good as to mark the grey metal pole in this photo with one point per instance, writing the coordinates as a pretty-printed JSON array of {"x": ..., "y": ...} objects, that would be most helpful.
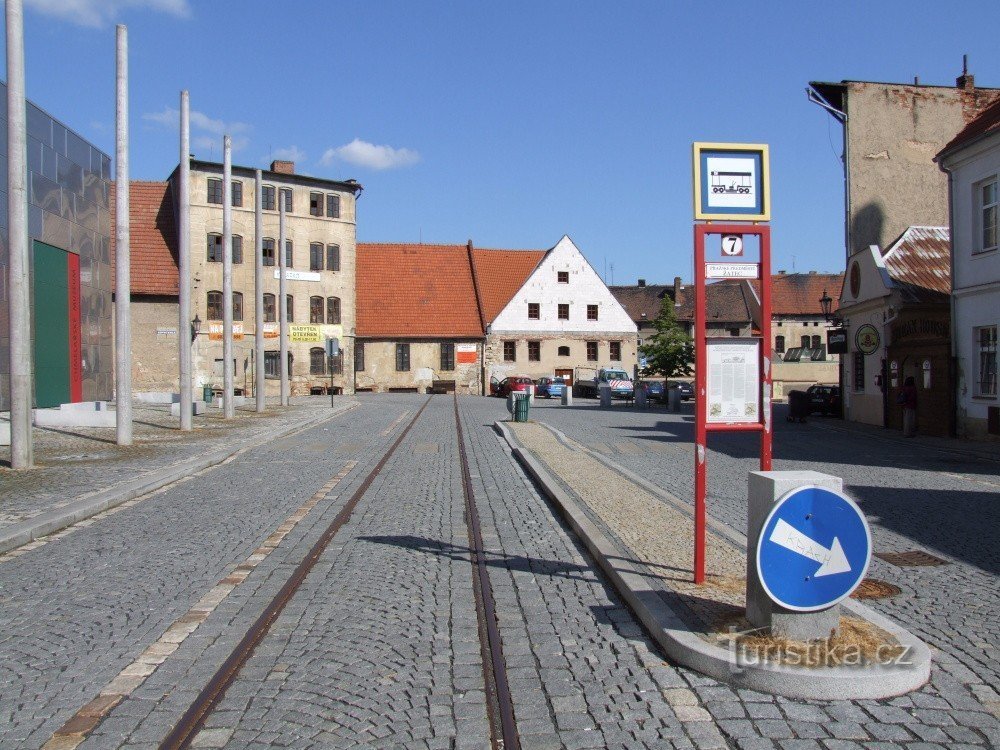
[
  {"x": 123, "y": 256},
  {"x": 282, "y": 303},
  {"x": 228, "y": 408},
  {"x": 258, "y": 291},
  {"x": 184, "y": 342},
  {"x": 19, "y": 297}
]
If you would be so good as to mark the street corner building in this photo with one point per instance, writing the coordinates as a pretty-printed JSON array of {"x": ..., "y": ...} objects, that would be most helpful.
[
  {"x": 320, "y": 229},
  {"x": 441, "y": 318},
  {"x": 69, "y": 230}
]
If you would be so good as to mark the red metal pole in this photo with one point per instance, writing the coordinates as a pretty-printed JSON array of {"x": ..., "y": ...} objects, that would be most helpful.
[
  {"x": 700, "y": 405},
  {"x": 766, "y": 352}
]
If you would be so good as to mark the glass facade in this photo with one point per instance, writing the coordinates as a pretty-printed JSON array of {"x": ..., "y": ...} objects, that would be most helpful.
[{"x": 69, "y": 183}]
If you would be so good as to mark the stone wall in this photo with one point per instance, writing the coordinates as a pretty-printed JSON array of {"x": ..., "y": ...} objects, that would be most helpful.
[
  {"x": 550, "y": 360},
  {"x": 155, "y": 366},
  {"x": 380, "y": 374}
]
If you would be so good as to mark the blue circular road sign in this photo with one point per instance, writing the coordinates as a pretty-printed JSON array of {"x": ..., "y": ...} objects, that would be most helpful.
[{"x": 814, "y": 549}]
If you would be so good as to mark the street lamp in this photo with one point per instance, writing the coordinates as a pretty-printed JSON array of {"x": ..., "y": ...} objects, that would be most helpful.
[
  {"x": 826, "y": 303},
  {"x": 195, "y": 327}
]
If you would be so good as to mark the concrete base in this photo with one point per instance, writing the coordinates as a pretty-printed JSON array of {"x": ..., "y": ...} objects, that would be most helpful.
[
  {"x": 197, "y": 407},
  {"x": 83, "y": 414},
  {"x": 567, "y": 397},
  {"x": 237, "y": 401},
  {"x": 764, "y": 490},
  {"x": 157, "y": 397}
]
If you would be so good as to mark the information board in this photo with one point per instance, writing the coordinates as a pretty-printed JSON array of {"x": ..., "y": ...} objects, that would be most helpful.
[{"x": 733, "y": 388}]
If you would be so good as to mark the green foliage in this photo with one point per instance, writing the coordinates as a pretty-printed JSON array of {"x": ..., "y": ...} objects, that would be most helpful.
[{"x": 670, "y": 351}]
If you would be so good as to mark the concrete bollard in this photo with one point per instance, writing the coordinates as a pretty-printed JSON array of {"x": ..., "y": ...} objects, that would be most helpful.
[
  {"x": 674, "y": 399},
  {"x": 531, "y": 395},
  {"x": 605, "y": 393},
  {"x": 641, "y": 401},
  {"x": 567, "y": 396},
  {"x": 764, "y": 490}
]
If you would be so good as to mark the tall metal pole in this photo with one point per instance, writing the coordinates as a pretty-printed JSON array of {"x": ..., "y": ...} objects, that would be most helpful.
[
  {"x": 184, "y": 338},
  {"x": 258, "y": 294},
  {"x": 228, "y": 408},
  {"x": 123, "y": 255},
  {"x": 19, "y": 298},
  {"x": 701, "y": 408},
  {"x": 282, "y": 303}
]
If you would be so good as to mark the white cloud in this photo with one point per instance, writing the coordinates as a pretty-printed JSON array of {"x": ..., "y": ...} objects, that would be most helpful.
[
  {"x": 363, "y": 154},
  {"x": 206, "y": 132},
  {"x": 292, "y": 153},
  {"x": 98, "y": 13}
]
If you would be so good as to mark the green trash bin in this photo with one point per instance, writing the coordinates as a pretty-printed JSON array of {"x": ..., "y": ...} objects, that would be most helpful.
[
  {"x": 206, "y": 394},
  {"x": 521, "y": 405}
]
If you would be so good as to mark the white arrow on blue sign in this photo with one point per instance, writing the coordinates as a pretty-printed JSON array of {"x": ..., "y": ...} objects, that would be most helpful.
[{"x": 814, "y": 549}]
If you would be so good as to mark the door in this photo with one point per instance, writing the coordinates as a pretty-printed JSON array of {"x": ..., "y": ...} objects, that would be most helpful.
[
  {"x": 567, "y": 376},
  {"x": 57, "y": 336}
]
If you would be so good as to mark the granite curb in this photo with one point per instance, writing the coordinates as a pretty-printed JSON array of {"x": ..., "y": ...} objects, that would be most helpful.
[
  {"x": 685, "y": 647},
  {"x": 19, "y": 534}
]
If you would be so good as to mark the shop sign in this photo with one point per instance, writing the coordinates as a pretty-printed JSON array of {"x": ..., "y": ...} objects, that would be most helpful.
[
  {"x": 866, "y": 340},
  {"x": 836, "y": 341},
  {"x": 466, "y": 354},
  {"x": 215, "y": 331},
  {"x": 301, "y": 333}
]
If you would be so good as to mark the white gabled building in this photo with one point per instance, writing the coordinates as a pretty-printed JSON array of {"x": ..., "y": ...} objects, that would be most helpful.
[{"x": 562, "y": 315}]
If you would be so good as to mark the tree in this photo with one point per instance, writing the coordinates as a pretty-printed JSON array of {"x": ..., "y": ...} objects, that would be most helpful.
[{"x": 670, "y": 351}]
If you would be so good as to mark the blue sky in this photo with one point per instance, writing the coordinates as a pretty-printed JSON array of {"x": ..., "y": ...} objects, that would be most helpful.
[{"x": 508, "y": 123}]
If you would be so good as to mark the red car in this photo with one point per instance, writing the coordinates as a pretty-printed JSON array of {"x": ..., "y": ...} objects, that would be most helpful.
[{"x": 515, "y": 383}]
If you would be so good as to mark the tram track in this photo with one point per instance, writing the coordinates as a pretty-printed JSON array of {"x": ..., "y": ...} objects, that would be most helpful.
[{"x": 499, "y": 703}]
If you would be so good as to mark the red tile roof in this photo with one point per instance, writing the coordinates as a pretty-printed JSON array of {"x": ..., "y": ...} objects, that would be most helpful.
[
  {"x": 152, "y": 238},
  {"x": 800, "y": 293},
  {"x": 415, "y": 291},
  {"x": 499, "y": 274},
  {"x": 725, "y": 302},
  {"x": 987, "y": 122}
]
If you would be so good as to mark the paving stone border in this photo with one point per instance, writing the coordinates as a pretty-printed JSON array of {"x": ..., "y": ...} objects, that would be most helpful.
[
  {"x": 668, "y": 628},
  {"x": 19, "y": 534}
]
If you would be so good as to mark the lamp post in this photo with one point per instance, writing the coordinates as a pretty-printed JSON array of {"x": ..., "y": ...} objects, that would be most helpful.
[
  {"x": 826, "y": 305},
  {"x": 195, "y": 327}
]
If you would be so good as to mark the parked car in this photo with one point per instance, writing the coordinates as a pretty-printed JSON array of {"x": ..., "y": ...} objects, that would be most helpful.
[
  {"x": 514, "y": 383},
  {"x": 547, "y": 387},
  {"x": 654, "y": 390},
  {"x": 687, "y": 390},
  {"x": 824, "y": 399}
]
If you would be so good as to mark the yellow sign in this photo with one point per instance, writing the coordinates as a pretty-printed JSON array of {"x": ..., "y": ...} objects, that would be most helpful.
[{"x": 300, "y": 333}]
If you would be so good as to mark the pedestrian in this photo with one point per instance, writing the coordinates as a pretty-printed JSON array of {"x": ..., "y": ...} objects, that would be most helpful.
[{"x": 908, "y": 400}]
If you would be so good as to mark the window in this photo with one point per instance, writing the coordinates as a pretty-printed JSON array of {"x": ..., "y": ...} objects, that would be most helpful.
[
  {"x": 816, "y": 342},
  {"x": 333, "y": 310},
  {"x": 315, "y": 204},
  {"x": 237, "y": 305},
  {"x": 333, "y": 206},
  {"x": 215, "y": 248},
  {"x": 333, "y": 257},
  {"x": 272, "y": 364},
  {"x": 563, "y": 351},
  {"x": 289, "y": 307},
  {"x": 270, "y": 312},
  {"x": 736, "y": 332},
  {"x": 534, "y": 311},
  {"x": 315, "y": 309},
  {"x": 805, "y": 342},
  {"x": 315, "y": 256},
  {"x": 986, "y": 385},
  {"x": 359, "y": 356},
  {"x": 215, "y": 305},
  {"x": 563, "y": 312},
  {"x": 534, "y": 351},
  {"x": 317, "y": 361},
  {"x": 563, "y": 277},
  {"x": 237, "y": 199},
  {"x": 591, "y": 351},
  {"x": 214, "y": 190},
  {"x": 237, "y": 249},
  {"x": 591, "y": 312},
  {"x": 859, "y": 371},
  {"x": 989, "y": 199},
  {"x": 286, "y": 196},
  {"x": 402, "y": 357},
  {"x": 510, "y": 351},
  {"x": 616, "y": 351},
  {"x": 289, "y": 255},
  {"x": 267, "y": 251},
  {"x": 779, "y": 344},
  {"x": 447, "y": 357},
  {"x": 267, "y": 198}
]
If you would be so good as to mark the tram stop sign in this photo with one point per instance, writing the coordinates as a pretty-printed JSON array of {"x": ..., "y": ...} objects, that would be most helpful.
[{"x": 814, "y": 549}]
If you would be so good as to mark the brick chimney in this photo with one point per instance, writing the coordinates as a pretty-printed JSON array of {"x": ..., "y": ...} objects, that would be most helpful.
[
  {"x": 642, "y": 282},
  {"x": 966, "y": 81},
  {"x": 284, "y": 167}
]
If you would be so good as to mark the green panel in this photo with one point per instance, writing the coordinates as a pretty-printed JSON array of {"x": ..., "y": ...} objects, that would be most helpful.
[{"x": 51, "y": 329}]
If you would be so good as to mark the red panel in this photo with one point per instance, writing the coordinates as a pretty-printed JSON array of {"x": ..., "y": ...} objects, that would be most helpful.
[{"x": 75, "y": 334}]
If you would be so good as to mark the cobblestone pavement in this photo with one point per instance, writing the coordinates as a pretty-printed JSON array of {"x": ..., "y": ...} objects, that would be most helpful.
[
  {"x": 916, "y": 496},
  {"x": 379, "y": 648},
  {"x": 75, "y": 461}
]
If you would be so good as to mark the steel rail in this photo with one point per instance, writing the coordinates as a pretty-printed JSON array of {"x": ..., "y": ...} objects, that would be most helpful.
[
  {"x": 499, "y": 704},
  {"x": 209, "y": 698}
]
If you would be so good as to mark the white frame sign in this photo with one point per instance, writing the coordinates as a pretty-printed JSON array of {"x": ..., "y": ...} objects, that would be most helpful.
[{"x": 733, "y": 384}]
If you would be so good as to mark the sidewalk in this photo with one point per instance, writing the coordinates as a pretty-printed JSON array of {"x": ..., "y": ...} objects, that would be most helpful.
[{"x": 82, "y": 471}]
